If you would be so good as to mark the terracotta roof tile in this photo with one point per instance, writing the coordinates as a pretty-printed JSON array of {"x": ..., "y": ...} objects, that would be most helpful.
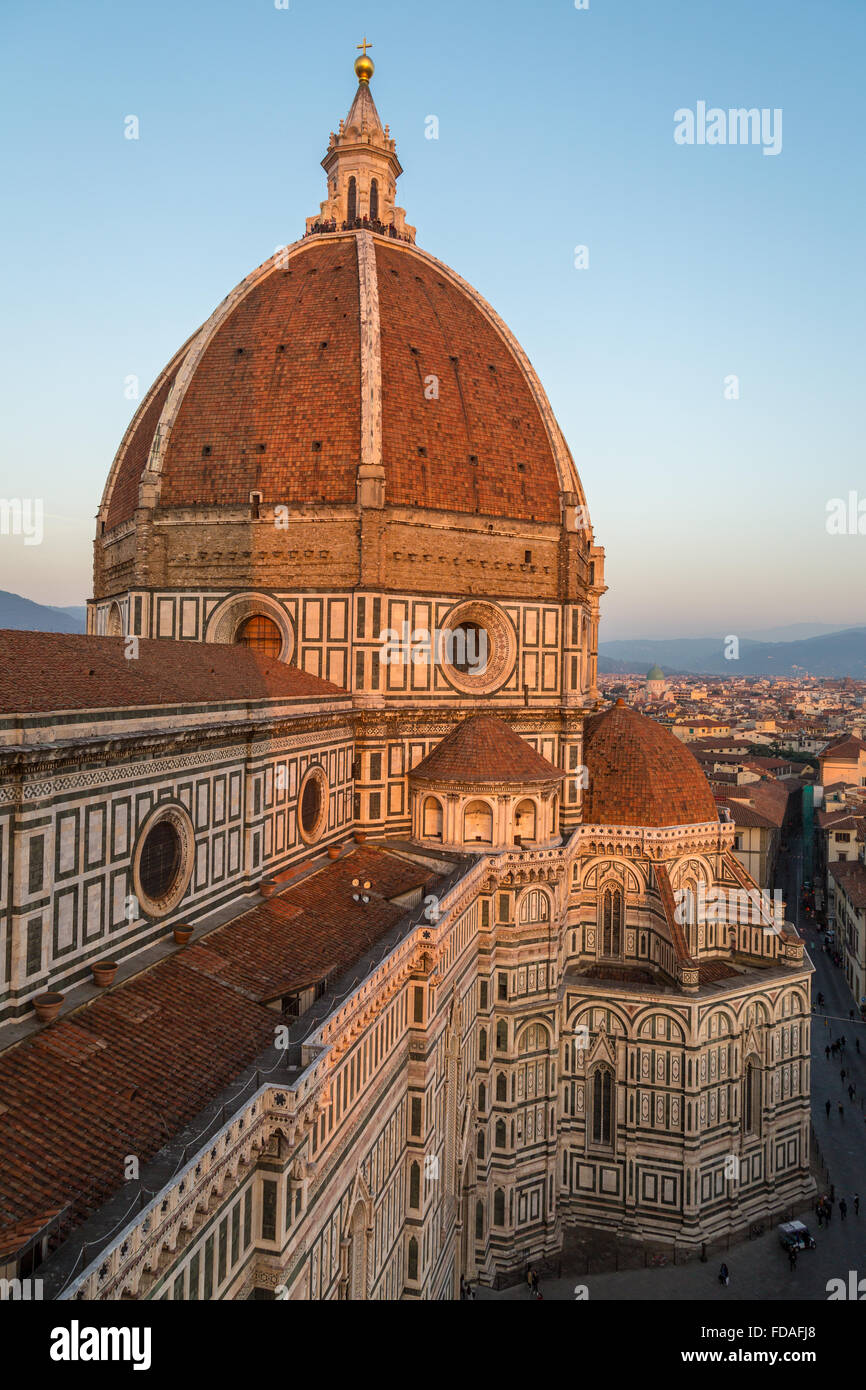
[
  {"x": 485, "y": 445},
  {"x": 42, "y": 671},
  {"x": 276, "y": 398},
  {"x": 641, "y": 774},
  {"x": 126, "y": 1071}
]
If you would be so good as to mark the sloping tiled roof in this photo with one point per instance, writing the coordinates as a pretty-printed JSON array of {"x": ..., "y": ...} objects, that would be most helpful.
[
  {"x": 127, "y": 1070},
  {"x": 768, "y": 798},
  {"x": 641, "y": 774},
  {"x": 851, "y": 877},
  {"x": 485, "y": 749},
  {"x": 844, "y": 749},
  {"x": 744, "y": 815},
  {"x": 666, "y": 893},
  {"x": 310, "y": 930},
  {"x": 52, "y": 671}
]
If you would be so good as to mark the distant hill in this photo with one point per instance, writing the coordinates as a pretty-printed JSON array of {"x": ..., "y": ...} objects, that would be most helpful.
[
  {"x": 841, "y": 653},
  {"x": 77, "y": 611},
  {"x": 23, "y": 613}
]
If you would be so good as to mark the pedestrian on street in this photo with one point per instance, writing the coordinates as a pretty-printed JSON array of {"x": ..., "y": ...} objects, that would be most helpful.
[
  {"x": 850, "y": 1092},
  {"x": 856, "y": 1203},
  {"x": 843, "y": 1208},
  {"x": 827, "y": 1106},
  {"x": 843, "y": 1074},
  {"x": 841, "y": 1111},
  {"x": 819, "y": 1212},
  {"x": 724, "y": 1275},
  {"x": 792, "y": 1257},
  {"x": 529, "y": 1280},
  {"x": 827, "y": 1052},
  {"x": 535, "y": 1282}
]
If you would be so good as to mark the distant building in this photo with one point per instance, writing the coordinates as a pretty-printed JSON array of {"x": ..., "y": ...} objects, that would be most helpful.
[
  {"x": 656, "y": 684},
  {"x": 758, "y": 810},
  {"x": 844, "y": 760}
]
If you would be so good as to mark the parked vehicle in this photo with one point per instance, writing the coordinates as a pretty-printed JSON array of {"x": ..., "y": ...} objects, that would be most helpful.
[{"x": 794, "y": 1235}]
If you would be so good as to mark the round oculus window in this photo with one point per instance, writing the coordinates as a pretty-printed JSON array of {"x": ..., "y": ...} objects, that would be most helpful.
[
  {"x": 163, "y": 861},
  {"x": 261, "y": 634},
  {"x": 478, "y": 647},
  {"x": 313, "y": 804}
]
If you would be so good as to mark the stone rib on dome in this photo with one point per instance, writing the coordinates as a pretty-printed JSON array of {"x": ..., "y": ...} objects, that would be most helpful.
[
  {"x": 641, "y": 774},
  {"x": 484, "y": 749},
  {"x": 267, "y": 396}
]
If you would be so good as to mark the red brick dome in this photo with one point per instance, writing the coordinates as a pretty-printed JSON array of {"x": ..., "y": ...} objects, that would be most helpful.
[
  {"x": 484, "y": 749},
  {"x": 641, "y": 774},
  {"x": 271, "y": 395}
]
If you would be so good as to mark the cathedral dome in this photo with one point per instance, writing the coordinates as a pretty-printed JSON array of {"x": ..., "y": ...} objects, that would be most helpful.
[
  {"x": 345, "y": 348},
  {"x": 641, "y": 774},
  {"x": 353, "y": 422}
]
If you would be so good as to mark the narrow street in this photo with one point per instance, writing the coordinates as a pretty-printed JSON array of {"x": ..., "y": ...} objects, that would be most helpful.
[{"x": 759, "y": 1269}]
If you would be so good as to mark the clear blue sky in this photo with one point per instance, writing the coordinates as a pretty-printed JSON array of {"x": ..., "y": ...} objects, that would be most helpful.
[{"x": 556, "y": 129}]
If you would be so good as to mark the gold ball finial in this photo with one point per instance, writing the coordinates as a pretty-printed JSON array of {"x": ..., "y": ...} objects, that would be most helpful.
[{"x": 364, "y": 68}]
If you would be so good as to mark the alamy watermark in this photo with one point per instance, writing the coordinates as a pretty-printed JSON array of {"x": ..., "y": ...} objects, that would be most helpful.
[
  {"x": 23, "y": 516},
  {"x": 756, "y": 907},
  {"x": 737, "y": 126},
  {"x": 846, "y": 516},
  {"x": 465, "y": 648}
]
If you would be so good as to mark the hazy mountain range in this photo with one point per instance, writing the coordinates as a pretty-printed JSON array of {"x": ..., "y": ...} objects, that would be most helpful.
[
  {"x": 816, "y": 648},
  {"x": 23, "y": 613},
  {"x": 829, "y": 653}
]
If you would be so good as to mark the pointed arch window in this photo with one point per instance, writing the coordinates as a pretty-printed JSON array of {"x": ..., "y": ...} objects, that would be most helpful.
[
  {"x": 374, "y": 201},
  {"x": 358, "y": 1256},
  {"x": 612, "y": 917},
  {"x": 690, "y": 896},
  {"x": 752, "y": 1097},
  {"x": 412, "y": 1263},
  {"x": 499, "y": 1207},
  {"x": 353, "y": 200},
  {"x": 602, "y": 1105},
  {"x": 415, "y": 1185},
  {"x": 535, "y": 906}
]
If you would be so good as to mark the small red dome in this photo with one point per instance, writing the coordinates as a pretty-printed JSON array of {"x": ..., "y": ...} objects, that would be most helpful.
[{"x": 641, "y": 774}]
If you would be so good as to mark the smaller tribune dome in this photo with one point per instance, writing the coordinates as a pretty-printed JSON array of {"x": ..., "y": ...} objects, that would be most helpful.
[
  {"x": 485, "y": 749},
  {"x": 639, "y": 773}
]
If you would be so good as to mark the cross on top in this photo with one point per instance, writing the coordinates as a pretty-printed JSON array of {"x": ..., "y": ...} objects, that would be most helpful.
[{"x": 365, "y": 45}]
